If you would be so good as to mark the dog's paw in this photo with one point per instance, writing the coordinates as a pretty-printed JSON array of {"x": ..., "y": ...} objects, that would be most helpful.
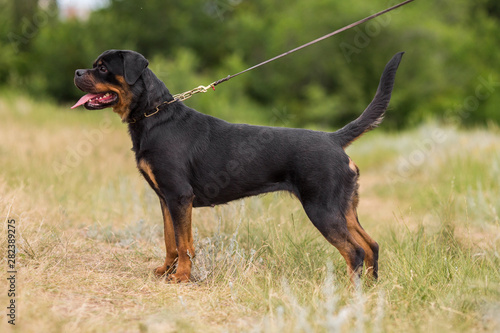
[
  {"x": 161, "y": 271},
  {"x": 177, "y": 278}
]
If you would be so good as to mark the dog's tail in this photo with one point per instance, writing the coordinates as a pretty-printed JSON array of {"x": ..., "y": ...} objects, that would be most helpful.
[{"x": 374, "y": 113}]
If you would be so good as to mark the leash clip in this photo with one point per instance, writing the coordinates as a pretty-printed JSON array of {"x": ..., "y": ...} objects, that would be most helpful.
[{"x": 200, "y": 89}]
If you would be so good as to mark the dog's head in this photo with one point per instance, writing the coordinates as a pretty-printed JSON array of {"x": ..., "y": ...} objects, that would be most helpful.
[{"x": 114, "y": 81}]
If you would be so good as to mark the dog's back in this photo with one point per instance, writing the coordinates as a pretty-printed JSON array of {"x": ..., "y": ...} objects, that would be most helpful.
[{"x": 238, "y": 160}]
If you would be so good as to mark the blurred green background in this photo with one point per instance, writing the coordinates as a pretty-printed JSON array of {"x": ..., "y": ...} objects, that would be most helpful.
[{"x": 450, "y": 72}]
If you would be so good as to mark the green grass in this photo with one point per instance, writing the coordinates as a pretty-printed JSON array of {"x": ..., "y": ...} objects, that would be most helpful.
[{"x": 90, "y": 234}]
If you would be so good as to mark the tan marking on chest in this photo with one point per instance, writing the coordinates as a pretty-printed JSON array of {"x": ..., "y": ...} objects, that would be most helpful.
[
  {"x": 353, "y": 166},
  {"x": 145, "y": 167}
]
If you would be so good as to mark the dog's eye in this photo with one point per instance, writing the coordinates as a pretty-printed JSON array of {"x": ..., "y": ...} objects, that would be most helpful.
[{"x": 103, "y": 69}]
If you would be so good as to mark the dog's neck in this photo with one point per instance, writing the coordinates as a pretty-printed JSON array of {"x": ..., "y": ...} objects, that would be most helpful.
[{"x": 150, "y": 94}]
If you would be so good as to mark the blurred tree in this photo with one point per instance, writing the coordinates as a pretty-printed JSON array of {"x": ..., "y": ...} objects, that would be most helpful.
[
  {"x": 452, "y": 47},
  {"x": 159, "y": 27},
  {"x": 492, "y": 7},
  {"x": 23, "y": 26}
]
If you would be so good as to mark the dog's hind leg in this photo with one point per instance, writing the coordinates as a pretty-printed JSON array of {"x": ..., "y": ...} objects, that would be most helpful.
[
  {"x": 370, "y": 247},
  {"x": 334, "y": 227}
]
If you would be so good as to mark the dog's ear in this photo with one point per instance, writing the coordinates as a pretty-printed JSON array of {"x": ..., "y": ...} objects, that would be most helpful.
[{"x": 133, "y": 65}]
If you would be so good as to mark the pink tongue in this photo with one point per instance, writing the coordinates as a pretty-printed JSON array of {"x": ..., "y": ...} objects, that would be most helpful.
[{"x": 84, "y": 100}]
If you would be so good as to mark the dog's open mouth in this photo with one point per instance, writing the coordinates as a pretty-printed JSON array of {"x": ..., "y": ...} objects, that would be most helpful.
[{"x": 97, "y": 101}]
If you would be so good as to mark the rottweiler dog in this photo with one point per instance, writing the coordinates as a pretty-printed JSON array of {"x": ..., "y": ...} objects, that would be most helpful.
[{"x": 194, "y": 160}]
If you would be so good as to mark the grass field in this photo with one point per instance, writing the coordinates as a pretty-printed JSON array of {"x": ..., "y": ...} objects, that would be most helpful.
[{"x": 89, "y": 234}]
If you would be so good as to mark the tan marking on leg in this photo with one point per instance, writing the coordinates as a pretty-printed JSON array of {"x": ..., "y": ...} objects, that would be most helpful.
[
  {"x": 364, "y": 240},
  {"x": 168, "y": 227},
  {"x": 185, "y": 246},
  {"x": 170, "y": 246},
  {"x": 350, "y": 250}
]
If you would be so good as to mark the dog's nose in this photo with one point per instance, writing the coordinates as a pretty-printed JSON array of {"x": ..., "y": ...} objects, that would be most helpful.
[{"x": 79, "y": 72}]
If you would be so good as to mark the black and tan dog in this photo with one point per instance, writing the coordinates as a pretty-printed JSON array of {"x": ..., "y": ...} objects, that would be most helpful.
[{"x": 194, "y": 160}]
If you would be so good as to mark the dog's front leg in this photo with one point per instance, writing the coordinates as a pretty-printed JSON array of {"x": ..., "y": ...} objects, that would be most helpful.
[
  {"x": 180, "y": 210},
  {"x": 176, "y": 211},
  {"x": 170, "y": 245}
]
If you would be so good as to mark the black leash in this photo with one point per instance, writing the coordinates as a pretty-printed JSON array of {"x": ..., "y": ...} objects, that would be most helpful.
[{"x": 202, "y": 89}]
